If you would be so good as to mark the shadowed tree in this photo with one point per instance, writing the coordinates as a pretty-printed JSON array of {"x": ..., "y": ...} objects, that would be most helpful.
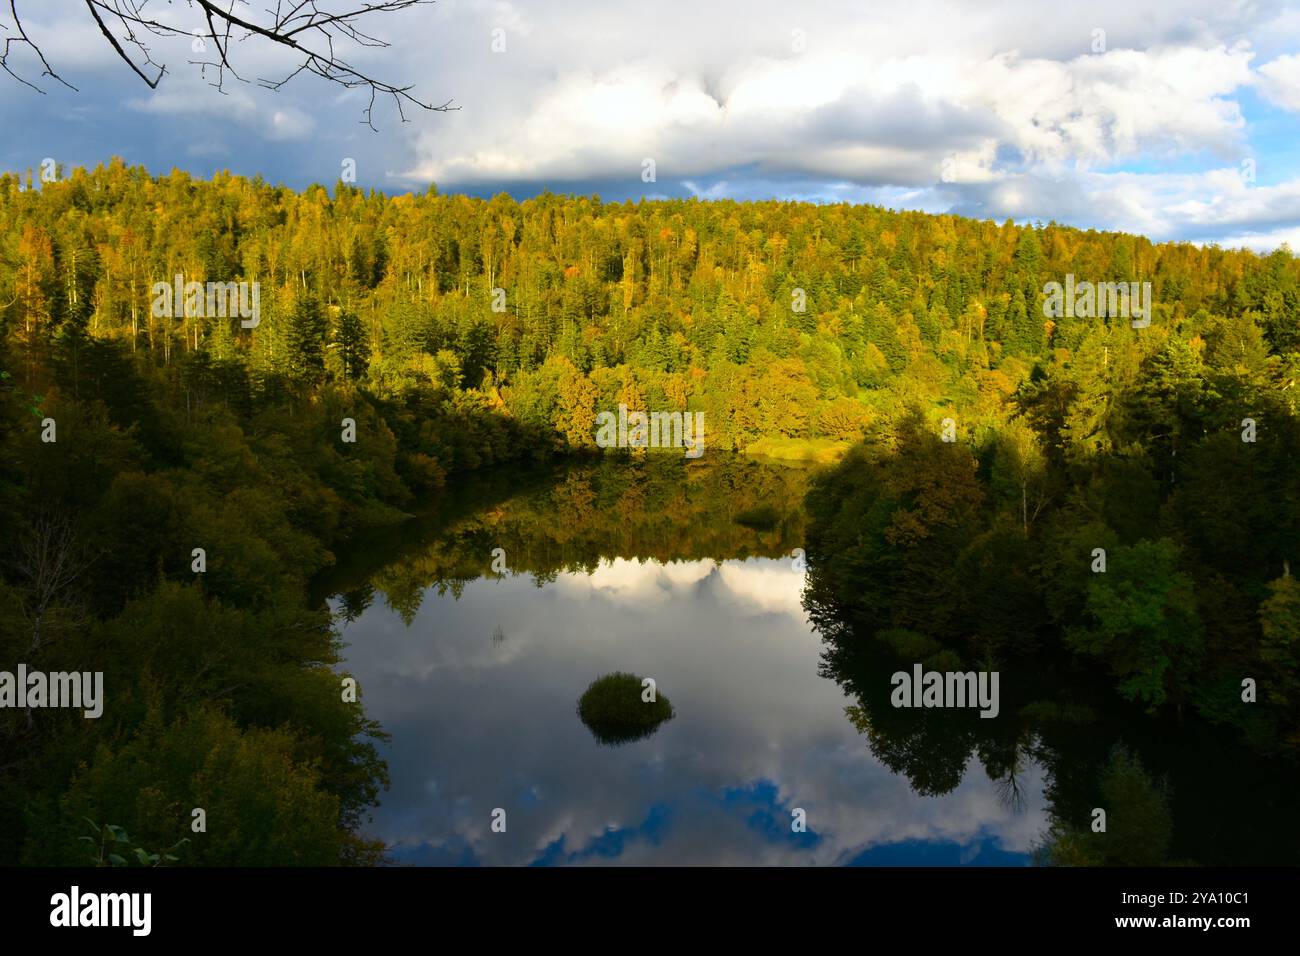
[{"x": 50, "y": 560}]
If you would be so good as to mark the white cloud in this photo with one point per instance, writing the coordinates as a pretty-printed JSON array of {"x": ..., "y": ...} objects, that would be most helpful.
[
  {"x": 749, "y": 587},
  {"x": 909, "y": 105},
  {"x": 913, "y": 103},
  {"x": 187, "y": 99},
  {"x": 848, "y": 117},
  {"x": 1279, "y": 81}
]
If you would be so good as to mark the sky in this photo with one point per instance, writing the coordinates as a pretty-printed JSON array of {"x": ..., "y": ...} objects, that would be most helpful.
[{"x": 1175, "y": 120}]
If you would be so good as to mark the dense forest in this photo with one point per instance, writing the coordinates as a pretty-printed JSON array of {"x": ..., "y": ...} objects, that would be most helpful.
[{"x": 459, "y": 334}]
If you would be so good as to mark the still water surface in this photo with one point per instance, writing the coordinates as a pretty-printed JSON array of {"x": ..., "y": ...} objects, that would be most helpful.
[
  {"x": 476, "y": 676},
  {"x": 480, "y": 722}
]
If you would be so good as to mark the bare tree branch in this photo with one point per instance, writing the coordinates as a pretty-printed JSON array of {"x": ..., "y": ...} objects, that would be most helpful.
[
  {"x": 153, "y": 84},
  {"x": 127, "y": 24},
  {"x": 24, "y": 40},
  {"x": 50, "y": 559}
]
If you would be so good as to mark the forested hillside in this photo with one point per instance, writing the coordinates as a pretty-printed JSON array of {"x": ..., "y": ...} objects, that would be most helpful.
[
  {"x": 779, "y": 320},
  {"x": 459, "y": 333}
]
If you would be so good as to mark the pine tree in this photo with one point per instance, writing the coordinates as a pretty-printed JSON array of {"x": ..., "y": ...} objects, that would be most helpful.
[
  {"x": 305, "y": 340},
  {"x": 353, "y": 347}
]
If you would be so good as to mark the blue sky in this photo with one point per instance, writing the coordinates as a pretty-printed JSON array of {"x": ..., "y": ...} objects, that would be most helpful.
[{"x": 1174, "y": 120}]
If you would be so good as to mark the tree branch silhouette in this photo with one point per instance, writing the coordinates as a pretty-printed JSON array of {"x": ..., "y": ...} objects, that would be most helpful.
[{"x": 307, "y": 28}]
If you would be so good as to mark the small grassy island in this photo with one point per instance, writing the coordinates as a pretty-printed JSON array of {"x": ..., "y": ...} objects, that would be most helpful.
[{"x": 615, "y": 713}]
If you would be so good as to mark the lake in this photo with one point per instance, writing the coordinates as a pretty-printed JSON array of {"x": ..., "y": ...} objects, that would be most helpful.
[{"x": 688, "y": 573}]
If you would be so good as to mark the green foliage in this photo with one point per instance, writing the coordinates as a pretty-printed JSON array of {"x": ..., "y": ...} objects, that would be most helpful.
[
  {"x": 1141, "y": 619},
  {"x": 112, "y": 846},
  {"x": 1279, "y": 620},
  {"x": 688, "y": 300},
  {"x": 265, "y": 805},
  {"x": 1124, "y": 504},
  {"x": 176, "y": 433},
  {"x": 1139, "y": 825}
]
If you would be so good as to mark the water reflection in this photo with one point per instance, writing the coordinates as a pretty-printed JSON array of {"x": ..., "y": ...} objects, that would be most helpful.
[
  {"x": 478, "y": 724},
  {"x": 781, "y": 704}
]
